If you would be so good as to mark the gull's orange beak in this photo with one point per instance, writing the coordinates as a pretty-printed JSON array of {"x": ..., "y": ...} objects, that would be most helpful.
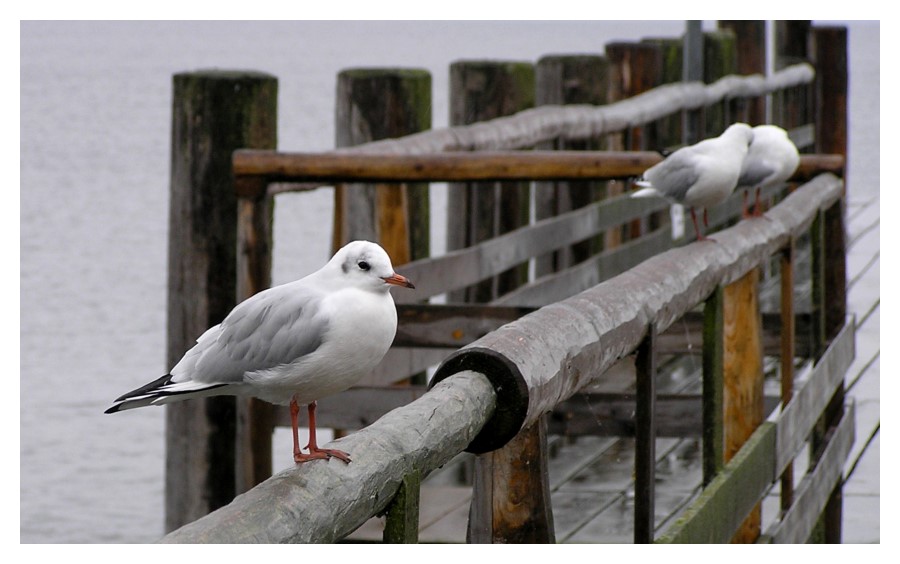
[{"x": 398, "y": 280}]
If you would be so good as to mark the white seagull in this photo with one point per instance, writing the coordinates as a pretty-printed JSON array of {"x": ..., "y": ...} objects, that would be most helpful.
[
  {"x": 294, "y": 343},
  {"x": 700, "y": 175},
  {"x": 771, "y": 160}
]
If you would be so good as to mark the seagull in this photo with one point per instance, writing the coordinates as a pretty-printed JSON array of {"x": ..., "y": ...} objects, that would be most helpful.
[
  {"x": 771, "y": 160},
  {"x": 700, "y": 175},
  {"x": 294, "y": 343}
]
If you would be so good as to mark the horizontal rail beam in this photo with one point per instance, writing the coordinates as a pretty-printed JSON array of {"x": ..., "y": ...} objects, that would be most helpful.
[
  {"x": 299, "y": 504},
  {"x": 254, "y": 169}
]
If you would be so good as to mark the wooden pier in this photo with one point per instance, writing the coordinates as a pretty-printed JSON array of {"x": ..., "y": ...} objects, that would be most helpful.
[{"x": 628, "y": 386}]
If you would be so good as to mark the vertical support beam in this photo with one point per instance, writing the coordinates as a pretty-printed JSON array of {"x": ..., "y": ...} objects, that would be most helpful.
[
  {"x": 744, "y": 402},
  {"x": 479, "y": 91},
  {"x": 693, "y": 72},
  {"x": 214, "y": 113},
  {"x": 401, "y": 524},
  {"x": 791, "y": 107},
  {"x": 255, "y": 418},
  {"x": 787, "y": 358},
  {"x": 511, "y": 492},
  {"x": 374, "y": 104},
  {"x": 750, "y": 37},
  {"x": 713, "y": 386},
  {"x": 828, "y": 48},
  {"x": 559, "y": 80},
  {"x": 719, "y": 60},
  {"x": 645, "y": 440},
  {"x": 633, "y": 68}
]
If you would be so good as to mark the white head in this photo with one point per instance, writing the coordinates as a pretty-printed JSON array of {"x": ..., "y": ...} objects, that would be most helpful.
[
  {"x": 367, "y": 265},
  {"x": 740, "y": 131}
]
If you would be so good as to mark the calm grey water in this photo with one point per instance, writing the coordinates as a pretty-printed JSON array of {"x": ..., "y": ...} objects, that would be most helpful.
[{"x": 95, "y": 118}]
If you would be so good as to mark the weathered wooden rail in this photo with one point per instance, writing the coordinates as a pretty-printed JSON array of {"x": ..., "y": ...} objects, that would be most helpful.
[
  {"x": 538, "y": 342},
  {"x": 488, "y": 391}
]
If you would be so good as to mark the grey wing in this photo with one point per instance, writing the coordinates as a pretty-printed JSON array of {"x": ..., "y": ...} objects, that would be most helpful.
[
  {"x": 273, "y": 329},
  {"x": 675, "y": 178},
  {"x": 754, "y": 173}
]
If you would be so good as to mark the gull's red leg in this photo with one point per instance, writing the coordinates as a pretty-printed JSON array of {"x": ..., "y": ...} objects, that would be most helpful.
[
  {"x": 299, "y": 457},
  {"x": 313, "y": 446}
]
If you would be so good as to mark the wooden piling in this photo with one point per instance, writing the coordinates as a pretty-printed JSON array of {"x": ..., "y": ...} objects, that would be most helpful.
[
  {"x": 213, "y": 113},
  {"x": 719, "y": 60},
  {"x": 374, "y": 104},
  {"x": 750, "y": 42},
  {"x": 569, "y": 79},
  {"x": 479, "y": 91}
]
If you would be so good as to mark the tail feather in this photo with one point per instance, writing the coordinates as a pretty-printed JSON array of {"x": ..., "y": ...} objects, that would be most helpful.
[{"x": 160, "y": 391}]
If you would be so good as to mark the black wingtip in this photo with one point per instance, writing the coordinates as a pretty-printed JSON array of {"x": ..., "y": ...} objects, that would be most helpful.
[
  {"x": 161, "y": 381},
  {"x": 114, "y": 409}
]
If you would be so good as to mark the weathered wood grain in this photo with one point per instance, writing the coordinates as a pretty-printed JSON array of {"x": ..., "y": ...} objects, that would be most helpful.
[{"x": 418, "y": 437}]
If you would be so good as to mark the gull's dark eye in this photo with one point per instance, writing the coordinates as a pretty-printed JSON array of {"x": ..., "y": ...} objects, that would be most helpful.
[{"x": 363, "y": 265}]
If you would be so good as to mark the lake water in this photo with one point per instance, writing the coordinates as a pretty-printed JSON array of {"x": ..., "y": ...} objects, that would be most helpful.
[{"x": 95, "y": 125}]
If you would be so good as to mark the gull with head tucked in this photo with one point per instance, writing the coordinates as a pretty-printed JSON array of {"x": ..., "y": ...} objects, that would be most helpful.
[
  {"x": 771, "y": 160},
  {"x": 700, "y": 175},
  {"x": 292, "y": 344}
]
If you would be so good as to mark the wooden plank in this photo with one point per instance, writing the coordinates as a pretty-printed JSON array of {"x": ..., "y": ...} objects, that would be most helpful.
[
  {"x": 722, "y": 506},
  {"x": 811, "y": 495},
  {"x": 799, "y": 417},
  {"x": 401, "y": 523},
  {"x": 743, "y": 377},
  {"x": 423, "y": 435},
  {"x": 713, "y": 385},
  {"x": 511, "y": 493},
  {"x": 645, "y": 440}
]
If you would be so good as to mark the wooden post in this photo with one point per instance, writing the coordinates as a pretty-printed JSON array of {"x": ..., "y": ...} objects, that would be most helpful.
[
  {"x": 569, "y": 79},
  {"x": 719, "y": 59},
  {"x": 713, "y": 386},
  {"x": 692, "y": 131},
  {"x": 668, "y": 129},
  {"x": 828, "y": 49},
  {"x": 401, "y": 524},
  {"x": 743, "y": 369},
  {"x": 645, "y": 440},
  {"x": 791, "y": 107},
  {"x": 214, "y": 113},
  {"x": 374, "y": 104},
  {"x": 634, "y": 68},
  {"x": 511, "y": 495},
  {"x": 255, "y": 418},
  {"x": 750, "y": 37},
  {"x": 480, "y": 91},
  {"x": 787, "y": 358}
]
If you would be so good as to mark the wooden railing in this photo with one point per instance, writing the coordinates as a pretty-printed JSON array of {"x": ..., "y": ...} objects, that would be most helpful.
[
  {"x": 583, "y": 314},
  {"x": 487, "y": 392}
]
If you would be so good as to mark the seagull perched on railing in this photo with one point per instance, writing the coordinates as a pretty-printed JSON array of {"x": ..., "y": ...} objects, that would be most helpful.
[
  {"x": 771, "y": 160},
  {"x": 294, "y": 343},
  {"x": 700, "y": 175}
]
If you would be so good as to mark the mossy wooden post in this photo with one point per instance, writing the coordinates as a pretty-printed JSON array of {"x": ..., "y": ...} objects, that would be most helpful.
[
  {"x": 671, "y": 51},
  {"x": 791, "y": 107},
  {"x": 828, "y": 49},
  {"x": 480, "y": 91},
  {"x": 213, "y": 113},
  {"x": 633, "y": 68},
  {"x": 750, "y": 37},
  {"x": 743, "y": 377},
  {"x": 401, "y": 525},
  {"x": 713, "y": 386},
  {"x": 719, "y": 59},
  {"x": 374, "y": 104},
  {"x": 569, "y": 79},
  {"x": 692, "y": 55}
]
